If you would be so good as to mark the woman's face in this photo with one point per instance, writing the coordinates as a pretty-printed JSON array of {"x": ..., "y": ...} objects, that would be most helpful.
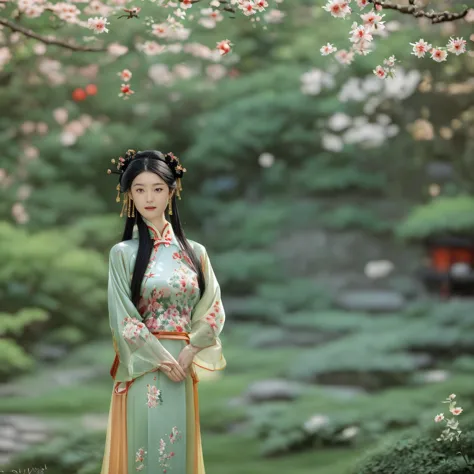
[{"x": 149, "y": 190}]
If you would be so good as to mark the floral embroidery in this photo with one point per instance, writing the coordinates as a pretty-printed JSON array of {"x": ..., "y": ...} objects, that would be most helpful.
[
  {"x": 175, "y": 435},
  {"x": 154, "y": 396},
  {"x": 215, "y": 318},
  {"x": 132, "y": 329},
  {"x": 170, "y": 308},
  {"x": 166, "y": 457},
  {"x": 184, "y": 281},
  {"x": 183, "y": 256},
  {"x": 139, "y": 458}
]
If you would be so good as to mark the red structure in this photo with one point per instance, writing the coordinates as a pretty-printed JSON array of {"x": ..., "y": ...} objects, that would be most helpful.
[{"x": 451, "y": 269}]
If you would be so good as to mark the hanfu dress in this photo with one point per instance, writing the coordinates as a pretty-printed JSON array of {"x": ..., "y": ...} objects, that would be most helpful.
[{"x": 153, "y": 425}]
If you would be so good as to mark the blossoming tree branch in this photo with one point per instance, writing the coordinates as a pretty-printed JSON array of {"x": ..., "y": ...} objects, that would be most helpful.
[
  {"x": 362, "y": 34},
  {"x": 169, "y": 27}
]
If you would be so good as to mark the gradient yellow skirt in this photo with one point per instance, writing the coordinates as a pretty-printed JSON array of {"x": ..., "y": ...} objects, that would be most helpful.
[{"x": 153, "y": 424}]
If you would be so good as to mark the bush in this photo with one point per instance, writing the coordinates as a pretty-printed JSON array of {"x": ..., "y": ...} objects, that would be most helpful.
[
  {"x": 420, "y": 453},
  {"x": 444, "y": 215},
  {"x": 78, "y": 453}
]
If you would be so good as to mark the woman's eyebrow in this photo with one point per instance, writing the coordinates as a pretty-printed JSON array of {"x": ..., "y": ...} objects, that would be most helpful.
[{"x": 155, "y": 184}]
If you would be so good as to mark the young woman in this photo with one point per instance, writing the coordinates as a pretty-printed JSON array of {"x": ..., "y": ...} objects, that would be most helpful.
[{"x": 165, "y": 314}]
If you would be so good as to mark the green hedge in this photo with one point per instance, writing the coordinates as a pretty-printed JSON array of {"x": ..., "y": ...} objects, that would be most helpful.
[
  {"x": 418, "y": 452},
  {"x": 444, "y": 215}
]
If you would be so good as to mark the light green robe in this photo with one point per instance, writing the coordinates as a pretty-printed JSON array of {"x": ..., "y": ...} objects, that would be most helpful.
[{"x": 160, "y": 423}]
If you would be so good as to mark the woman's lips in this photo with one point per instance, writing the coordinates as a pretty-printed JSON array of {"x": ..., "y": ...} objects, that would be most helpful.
[{"x": 150, "y": 208}]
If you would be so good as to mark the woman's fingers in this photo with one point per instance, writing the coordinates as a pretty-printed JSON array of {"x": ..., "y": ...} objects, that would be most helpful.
[
  {"x": 174, "y": 371},
  {"x": 181, "y": 371}
]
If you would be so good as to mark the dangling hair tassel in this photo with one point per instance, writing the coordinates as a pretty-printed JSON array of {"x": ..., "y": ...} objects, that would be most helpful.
[
  {"x": 124, "y": 206},
  {"x": 179, "y": 188},
  {"x": 117, "y": 199}
]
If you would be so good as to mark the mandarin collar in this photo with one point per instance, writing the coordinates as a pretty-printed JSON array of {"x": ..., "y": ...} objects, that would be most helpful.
[{"x": 167, "y": 237}]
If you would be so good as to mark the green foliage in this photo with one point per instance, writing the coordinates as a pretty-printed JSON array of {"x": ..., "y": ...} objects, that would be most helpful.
[
  {"x": 443, "y": 215},
  {"x": 57, "y": 278},
  {"x": 322, "y": 175},
  {"x": 296, "y": 294},
  {"x": 75, "y": 452},
  {"x": 354, "y": 217},
  {"x": 419, "y": 452},
  {"x": 329, "y": 321},
  {"x": 242, "y": 268},
  {"x": 256, "y": 227},
  {"x": 13, "y": 358},
  {"x": 16, "y": 324},
  {"x": 384, "y": 350}
]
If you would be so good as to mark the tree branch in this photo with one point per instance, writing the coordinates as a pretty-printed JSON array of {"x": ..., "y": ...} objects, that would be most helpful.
[
  {"x": 48, "y": 39},
  {"x": 411, "y": 9}
]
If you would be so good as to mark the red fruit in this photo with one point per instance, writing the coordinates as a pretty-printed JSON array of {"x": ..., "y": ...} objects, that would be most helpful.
[
  {"x": 91, "y": 89},
  {"x": 79, "y": 94}
]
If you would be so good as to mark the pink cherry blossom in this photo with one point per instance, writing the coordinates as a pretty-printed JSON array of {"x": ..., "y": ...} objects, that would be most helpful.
[
  {"x": 152, "y": 48},
  {"x": 338, "y": 8},
  {"x": 260, "y": 5},
  {"x": 438, "y": 55},
  {"x": 98, "y": 24},
  {"x": 224, "y": 47},
  {"x": 456, "y": 411},
  {"x": 379, "y": 71},
  {"x": 362, "y": 3},
  {"x": 373, "y": 20},
  {"x": 439, "y": 418},
  {"x": 125, "y": 91},
  {"x": 390, "y": 62},
  {"x": 248, "y": 8},
  {"x": 345, "y": 57},
  {"x": 360, "y": 33},
  {"x": 125, "y": 75},
  {"x": 420, "y": 48},
  {"x": 456, "y": 46},
  {"x": 116, "y": 49},
  {"x": 160, "y": 30},
  {"x": 328, "y": 49}
]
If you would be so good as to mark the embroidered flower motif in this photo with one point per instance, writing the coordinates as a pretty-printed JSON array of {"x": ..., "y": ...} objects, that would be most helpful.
[
  {"x": 139, "y": 458},
  {"x": 132, "y": 329},
  {"x": 215, "y": 318},
  {"x": 175, "y": 435},
  {"x": 154, "y": 396},
  {"x": 184, "y": 257},
  {"x": 169, "y": 305},
  {"x": 152, "y": 324},
  {"x": 165, "y": 458}
]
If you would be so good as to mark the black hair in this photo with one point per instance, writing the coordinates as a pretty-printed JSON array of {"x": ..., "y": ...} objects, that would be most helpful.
[{"x": 153, "y": 161}]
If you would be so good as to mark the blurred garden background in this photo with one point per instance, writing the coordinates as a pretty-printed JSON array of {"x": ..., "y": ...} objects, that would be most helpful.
[{"x": 337, "y": 209}]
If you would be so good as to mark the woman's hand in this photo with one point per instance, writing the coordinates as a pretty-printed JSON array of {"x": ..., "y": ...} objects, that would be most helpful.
[
  {"x": 186, "y": 356},
  {"x": 173, "y": 371}
]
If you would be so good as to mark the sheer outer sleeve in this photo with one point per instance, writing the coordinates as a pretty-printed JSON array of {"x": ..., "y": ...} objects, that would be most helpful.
[
  {"x": 138, "y": 350},
  {"x": 207, "y": 320}
]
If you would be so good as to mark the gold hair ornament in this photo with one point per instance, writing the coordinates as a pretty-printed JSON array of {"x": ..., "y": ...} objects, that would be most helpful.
[{"x": 122, "y": 163}]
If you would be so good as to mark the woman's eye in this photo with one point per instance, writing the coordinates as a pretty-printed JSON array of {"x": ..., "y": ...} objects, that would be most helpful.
[{"x": 159, "y": 189}]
